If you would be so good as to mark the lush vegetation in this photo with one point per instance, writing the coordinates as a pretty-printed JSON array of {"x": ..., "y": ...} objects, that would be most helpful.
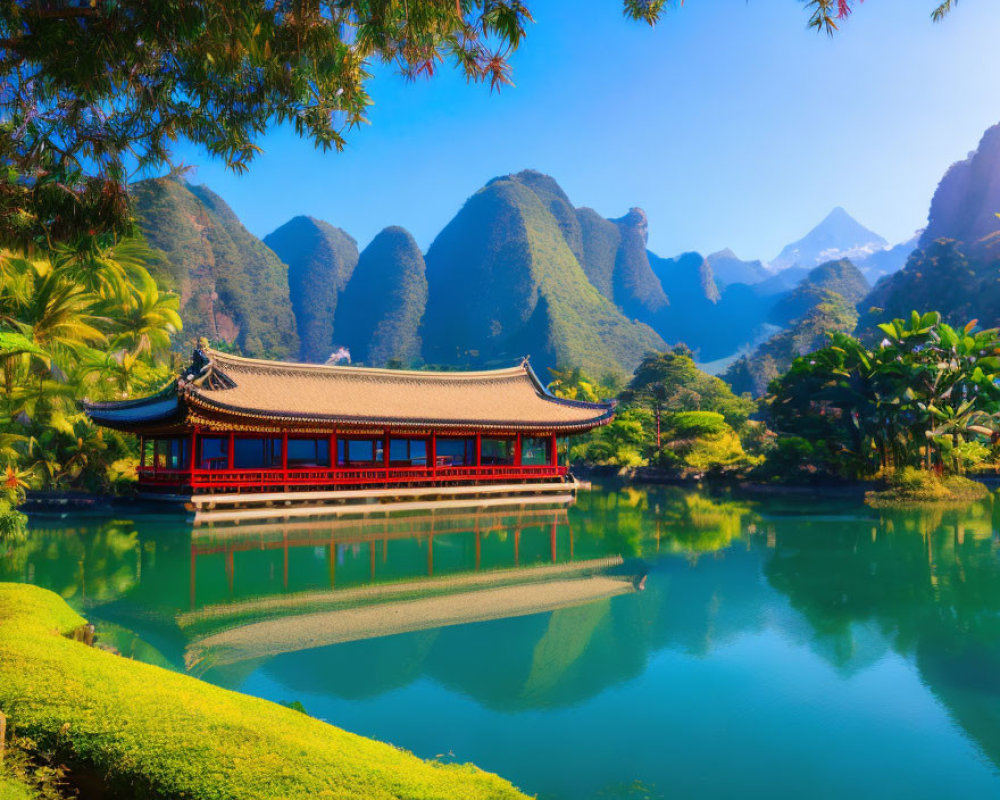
[
  {"x": 79, "y": 323},
  {"x": 153, "y": 733},
  {"x": 234, "y": 288},
  {"x": 380, "y": 311},
  {"x": 505, "y": 281},
  {"x": 321, "y": 260},
  {"x": 754, "y": 373},
  {"x": 926, "y": 396},
  {"x": 671, "y": 415}
]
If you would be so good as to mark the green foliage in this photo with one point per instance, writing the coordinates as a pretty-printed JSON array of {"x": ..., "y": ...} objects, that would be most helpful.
[
  {"x": 754, "y": 373},
  {"x": 941, "y": 276},
  {"x": 380, "y": 311},
  {"x": 575, "y": 384},
  {"x": 673, "y": 382},
  {"x": 235, "y": 288},
  {"x": 155, "y": 733},
  {"x": 321, "y": 260},
  {"x": 833, "y": 281},
  {"x": 506, "y": 280},
  {"x": 621, "y": 443},
  {"x": 918, "y": 398},
  {"x": 79, "y": 323},
  {"x": 89, "y": 89},
  {"x": 911, "y": 485},
  {"x": 700, "y": 442},
  {"x": 12, "y": 522}
]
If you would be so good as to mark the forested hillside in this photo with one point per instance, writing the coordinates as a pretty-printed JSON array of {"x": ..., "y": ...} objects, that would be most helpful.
[
  {"x": 321, "y": 260},
  {"x": 233, "y": 288}
]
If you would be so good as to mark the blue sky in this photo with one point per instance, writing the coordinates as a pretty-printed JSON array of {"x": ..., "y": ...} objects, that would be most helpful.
[{"x": 730, "y": 123}]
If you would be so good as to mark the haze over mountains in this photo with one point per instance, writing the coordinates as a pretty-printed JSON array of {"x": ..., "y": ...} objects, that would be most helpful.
[{"x": 522, "y": 271}]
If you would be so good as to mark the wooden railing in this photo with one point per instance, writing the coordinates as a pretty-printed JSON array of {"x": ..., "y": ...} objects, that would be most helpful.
[{"x": 340, "y": 477}]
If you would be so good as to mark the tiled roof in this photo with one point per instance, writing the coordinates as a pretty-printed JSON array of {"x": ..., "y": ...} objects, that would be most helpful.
[{"x": 224, "y": 384}]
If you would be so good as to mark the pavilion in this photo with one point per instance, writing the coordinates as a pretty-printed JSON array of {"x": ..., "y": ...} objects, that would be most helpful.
[{"x": 234, "y": 424}]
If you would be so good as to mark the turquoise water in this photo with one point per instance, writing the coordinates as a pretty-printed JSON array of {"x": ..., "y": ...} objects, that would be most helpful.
[{"x": 643, "y": 643}]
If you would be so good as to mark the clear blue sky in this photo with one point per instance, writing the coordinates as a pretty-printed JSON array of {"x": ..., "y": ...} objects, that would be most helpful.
[{"x": 730, "y": 123}]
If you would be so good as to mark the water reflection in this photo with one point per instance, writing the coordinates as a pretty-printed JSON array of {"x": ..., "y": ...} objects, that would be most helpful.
[{"x": 539, "y": 613}]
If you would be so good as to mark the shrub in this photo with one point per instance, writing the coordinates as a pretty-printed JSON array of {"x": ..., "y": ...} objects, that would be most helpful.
[{"x": 12, "y": 522}]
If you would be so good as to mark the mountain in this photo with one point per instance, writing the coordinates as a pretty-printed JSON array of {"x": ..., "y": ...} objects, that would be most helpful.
[
  {"x": 728, "y": 268},
  {"x": 956, "y": 268},
  {"x": 233, "y": 287},
  {"x": 507, "y": 278},
  {"x": 838, "y": 236},
  {"x": 321, "y": 260},
  {"x": 835, "y": 277},
  {"x": 966, "y": 201},
  {"x": 380, "y": 311},
  {"x": 886, "y": 262},
  {"x": 753, "y": 373},
  {"x": 939, "y": 277}
]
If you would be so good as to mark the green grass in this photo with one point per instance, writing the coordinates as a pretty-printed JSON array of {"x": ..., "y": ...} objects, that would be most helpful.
[
  {"x": 160, "y": 734},
  {"x": 11, "y": 789},
  {"x": 915, "y": 486}
]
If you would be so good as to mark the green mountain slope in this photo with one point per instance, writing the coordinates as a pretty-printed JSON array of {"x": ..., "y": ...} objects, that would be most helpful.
[
  {"x": 321, "y": 260},
  {"x": 753, "y": 373},
  {"x": 838, "y": 277},
  {"x": 233, "y": 287},
  {"x": 379, "y": 313},
  {"x": 505, "y": 282}
]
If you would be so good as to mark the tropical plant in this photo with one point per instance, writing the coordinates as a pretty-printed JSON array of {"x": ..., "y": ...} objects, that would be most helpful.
[
  {"x": 86, "y": 322},
  {"x": 917, "y": 398}
]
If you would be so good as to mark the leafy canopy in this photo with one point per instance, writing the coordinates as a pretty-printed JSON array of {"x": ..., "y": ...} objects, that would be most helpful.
[{"x": 90, "y": 91}]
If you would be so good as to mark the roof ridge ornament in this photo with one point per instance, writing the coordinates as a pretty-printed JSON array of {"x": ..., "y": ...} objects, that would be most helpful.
[{"x": 203, "y": 372}]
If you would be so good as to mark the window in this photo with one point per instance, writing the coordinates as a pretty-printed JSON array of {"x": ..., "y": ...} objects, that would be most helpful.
[
  {"x": 308, "y": 452},
  {"x": 166, "y": 453},
  {"x": 497, "y": 451},
  {"x": 408, "y": 452},
  {"x": 536, "y": 450},
  {"x": 456, "y": 452},
  {"x": 359, "y": 452},
  {"x": 256, "y": 453},
  {"x": 213, "y": 452}
]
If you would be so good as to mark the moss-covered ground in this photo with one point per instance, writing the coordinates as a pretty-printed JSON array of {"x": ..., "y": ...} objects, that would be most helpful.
[
  {"x": 154, "y": 733},
  {"x": 914, "y": 486}
]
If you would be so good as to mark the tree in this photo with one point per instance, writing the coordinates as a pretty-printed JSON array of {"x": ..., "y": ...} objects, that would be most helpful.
[
  {"x": 917, "y": 398},
  {"x": 91, "y": 90}
]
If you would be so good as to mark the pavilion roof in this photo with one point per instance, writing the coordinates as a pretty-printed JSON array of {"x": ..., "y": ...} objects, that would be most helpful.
[{"x": 227, "y": 386}]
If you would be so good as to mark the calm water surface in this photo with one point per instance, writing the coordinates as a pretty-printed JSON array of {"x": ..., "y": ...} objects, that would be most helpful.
[{"x": 644, "y": 643}]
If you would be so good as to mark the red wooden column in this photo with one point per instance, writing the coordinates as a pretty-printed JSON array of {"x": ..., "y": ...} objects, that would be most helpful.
[
  {"x": 554, "y": 455},
  {"x": 433, "y": 454},
  {"x": 517, "y": 451},
  {"x": 193, "y": 448},
  {"x": 479, "y": 449},
  {"x": 333, "y": 450},
  {"x": 232, "y": 450},
  {"x": 385, "y": 453},
  {"x": 284, "y": 458}
]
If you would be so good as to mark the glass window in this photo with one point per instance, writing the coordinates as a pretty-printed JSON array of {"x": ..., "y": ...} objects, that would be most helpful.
[
  {"x": 497, "y": 451},
  {"x": 308, "y": 452},
  {"x": 536, "y": 450},
  {"x": 456, "y": 452},
  {"x": 256, "y": 453},
  {"x": 408, "y": 452},
  {"x": 167, "y": 453},
  {"x": 213, "y": 452},
  {"x": 359, "y": 452}
]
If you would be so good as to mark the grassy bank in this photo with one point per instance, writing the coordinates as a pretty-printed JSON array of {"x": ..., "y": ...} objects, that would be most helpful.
[
  {"x": 159, "y": 734},
  {"x": 914, "y": 486}
]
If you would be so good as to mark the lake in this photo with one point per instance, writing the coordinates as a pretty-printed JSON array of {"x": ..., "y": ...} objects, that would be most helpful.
[{"x": 643, "y": 643}]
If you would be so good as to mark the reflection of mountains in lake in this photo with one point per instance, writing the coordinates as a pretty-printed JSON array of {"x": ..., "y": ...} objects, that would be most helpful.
[{"x": 852, "y": 585}]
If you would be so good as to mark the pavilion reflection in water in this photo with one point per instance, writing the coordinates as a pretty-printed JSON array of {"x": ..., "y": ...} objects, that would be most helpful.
[{"x": 387, "y": 576}]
